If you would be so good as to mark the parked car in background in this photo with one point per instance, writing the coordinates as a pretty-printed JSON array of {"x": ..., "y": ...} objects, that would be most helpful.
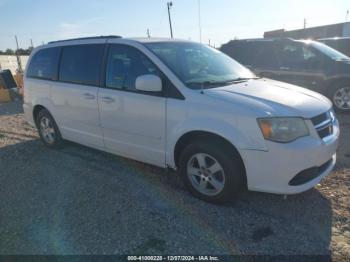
[
  {"x": 342, "y": 44},
  {"x": 183, "y": 105},
  {"x": 309, "y": 64}
]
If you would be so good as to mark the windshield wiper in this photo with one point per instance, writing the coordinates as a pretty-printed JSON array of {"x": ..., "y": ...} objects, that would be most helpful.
[
  {"x": 204, "y": 84},
  {"x": 208, "y": 84},
  {"x": 242, "y": 79}
]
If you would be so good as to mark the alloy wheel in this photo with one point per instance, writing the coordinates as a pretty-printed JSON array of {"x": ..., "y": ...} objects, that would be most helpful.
[
  {"x": 206, "y": 174},
  {"x": 47, "y": 130},
  {"x": 341, "y": 98}
]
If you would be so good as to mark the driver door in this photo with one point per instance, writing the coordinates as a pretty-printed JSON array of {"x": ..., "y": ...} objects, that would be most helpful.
[
  {"x": 132, "y": 121},
  {"x": 300, "y": 65}
]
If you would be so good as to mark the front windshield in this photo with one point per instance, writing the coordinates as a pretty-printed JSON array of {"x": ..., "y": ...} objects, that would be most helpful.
[
  {"x": 328, "y": 51},
  {"x": 199, "y": 66}
]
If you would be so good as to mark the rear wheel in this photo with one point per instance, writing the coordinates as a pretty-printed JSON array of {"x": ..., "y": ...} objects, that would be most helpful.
[
  {"x": 341, "y": 98},
  {"x": 210, "y": 173},
  {"x": 48, "y": 130}
]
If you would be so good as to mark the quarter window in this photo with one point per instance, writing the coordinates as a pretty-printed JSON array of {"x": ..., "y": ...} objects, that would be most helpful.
[
  {"x": 124, "y": 65},
  {"x": 44, "y": 64},
  {"x": 80, "y": 64}
]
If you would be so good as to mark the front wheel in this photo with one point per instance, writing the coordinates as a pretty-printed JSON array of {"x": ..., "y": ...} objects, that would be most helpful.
[
  {"x": 341, "y": 98},
  {"x": 211, "y": 173}
]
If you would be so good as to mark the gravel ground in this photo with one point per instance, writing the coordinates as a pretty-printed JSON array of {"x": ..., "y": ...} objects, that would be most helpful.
[{"x": 81, "y": 201}]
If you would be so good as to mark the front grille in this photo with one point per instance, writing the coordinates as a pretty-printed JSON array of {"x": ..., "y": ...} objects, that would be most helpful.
[
  {"x": 324, "y": 124},
  {"x": 319, "y": 119}
]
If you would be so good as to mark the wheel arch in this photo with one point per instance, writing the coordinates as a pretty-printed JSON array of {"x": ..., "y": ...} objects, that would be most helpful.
[
  {"x": 219, "y": 140},
  {"x": 336, "y": 81}
]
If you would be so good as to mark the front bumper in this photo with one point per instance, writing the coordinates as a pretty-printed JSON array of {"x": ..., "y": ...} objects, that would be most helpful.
[{"x": 272, "y": 171}]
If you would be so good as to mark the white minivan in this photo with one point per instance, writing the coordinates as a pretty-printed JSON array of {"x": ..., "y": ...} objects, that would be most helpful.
[{"x": 182, "y": 105}]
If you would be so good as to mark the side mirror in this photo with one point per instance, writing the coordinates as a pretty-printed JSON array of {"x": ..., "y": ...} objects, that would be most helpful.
[{"x": 149, "y": 83}]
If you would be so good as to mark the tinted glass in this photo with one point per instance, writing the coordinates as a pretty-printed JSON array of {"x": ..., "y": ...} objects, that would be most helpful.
[
  {"x": 299, "y": 55},
  {"x": 197, "y": 65},
  {"x": 291, "y": 54},
  {"x": 237, "y": 50},
  {"x": 263, "y": 54},
  {"x": 81, "y": 64},
  {"x": 124, "y": 65},
  {"x": 44, "y": 64}
]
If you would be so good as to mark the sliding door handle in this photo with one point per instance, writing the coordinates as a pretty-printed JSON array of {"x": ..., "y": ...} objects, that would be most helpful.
[
  {"x": 89, "y": 96},
  {"x": 108, "y": 99}
]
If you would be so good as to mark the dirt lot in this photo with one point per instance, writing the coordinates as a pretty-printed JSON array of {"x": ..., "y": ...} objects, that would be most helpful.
[{"x": 82, "y": 201}]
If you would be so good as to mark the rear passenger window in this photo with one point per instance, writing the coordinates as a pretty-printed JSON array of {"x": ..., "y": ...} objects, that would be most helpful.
[
  {"x": 264, "y": 54},
  {"x": 124, "y": 65},
  {"x": 80, "y": 64},
  {"x": 44, "y": 64}
]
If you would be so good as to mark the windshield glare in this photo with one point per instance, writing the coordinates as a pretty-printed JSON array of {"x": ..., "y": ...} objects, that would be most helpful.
[
  {"x": 328, "y": 51},
  {"x": 199, "y": 66}
]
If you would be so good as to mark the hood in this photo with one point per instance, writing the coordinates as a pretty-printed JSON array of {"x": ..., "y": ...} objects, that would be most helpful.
[{"x": 274, "y": 98}]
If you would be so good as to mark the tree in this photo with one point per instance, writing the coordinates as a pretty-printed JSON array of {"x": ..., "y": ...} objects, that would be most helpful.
[
  {"x": 9, "y": 52},
  {"x": 20, "y": 51}
]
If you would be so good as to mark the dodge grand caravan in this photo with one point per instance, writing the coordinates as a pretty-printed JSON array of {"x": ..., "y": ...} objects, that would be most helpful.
[
  {"x": 182, "y": 105},
  {"x": 305, "y": 63}
]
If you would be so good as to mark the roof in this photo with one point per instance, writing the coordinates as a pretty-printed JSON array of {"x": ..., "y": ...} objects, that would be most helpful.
[
  {"x": 263, "y": 39},
  {"x": 335, "y": 38},
  {"x": 156, "y": 39},
  {"x": 86, "y": 38},
  {"x": 137, "y": 39}
]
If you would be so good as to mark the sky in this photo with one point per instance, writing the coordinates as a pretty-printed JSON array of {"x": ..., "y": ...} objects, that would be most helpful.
[{"x": 221, "y": 20}]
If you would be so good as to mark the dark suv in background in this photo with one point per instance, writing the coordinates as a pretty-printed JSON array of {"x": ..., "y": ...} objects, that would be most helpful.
[{"x": 306, "y": 63}]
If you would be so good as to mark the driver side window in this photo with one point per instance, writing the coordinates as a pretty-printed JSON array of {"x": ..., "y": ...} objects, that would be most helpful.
[
  {"x": 124, "y": 65},
  {"x": 298, "y": 56}
]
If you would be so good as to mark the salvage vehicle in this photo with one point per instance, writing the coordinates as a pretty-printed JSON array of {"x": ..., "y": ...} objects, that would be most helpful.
[
  {"x": 185, "y": 106},
  {"x": 305, "y": 63}
]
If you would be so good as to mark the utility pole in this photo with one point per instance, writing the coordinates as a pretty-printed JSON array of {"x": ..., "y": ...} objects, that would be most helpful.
[
  {"x": 148, "y": 34},
  {"x": 304, "y": 23},
  {"x": 18, "y": 58},
  {"x": 199, "y": 21},
  {"x": 347, "y": 15},
  {"x": 31, "y": 43},
  {"x": 170, "y": 4}
]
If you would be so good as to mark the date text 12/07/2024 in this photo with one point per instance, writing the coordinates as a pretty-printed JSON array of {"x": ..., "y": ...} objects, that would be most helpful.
[{"x": 173, "y": 258}]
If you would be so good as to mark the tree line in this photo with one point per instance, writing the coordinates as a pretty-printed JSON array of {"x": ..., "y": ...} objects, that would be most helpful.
[{"x": 20, "y": 51}]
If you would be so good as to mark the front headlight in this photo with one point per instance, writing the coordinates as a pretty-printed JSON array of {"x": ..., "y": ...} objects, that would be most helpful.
[{"x": 283, "y": 129}]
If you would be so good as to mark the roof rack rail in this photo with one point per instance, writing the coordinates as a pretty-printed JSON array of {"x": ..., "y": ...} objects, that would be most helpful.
[{"x": 86, "y": 38}]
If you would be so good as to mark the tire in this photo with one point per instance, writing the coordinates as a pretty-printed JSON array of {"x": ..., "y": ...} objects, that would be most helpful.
[
  {"x": 48, "y": 130},
  {"x": 228, "y": 181},
  {"x": 340, "y": 96}
]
